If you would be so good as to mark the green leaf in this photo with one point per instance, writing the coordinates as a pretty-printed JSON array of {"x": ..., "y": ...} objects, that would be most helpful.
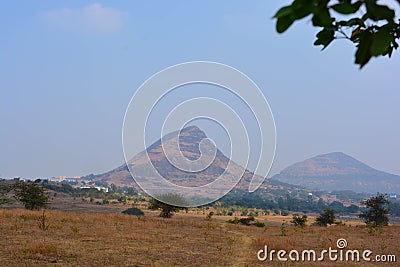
[
  {"x": 283, "y": 12},
  {"x": 390, "y": 51},
  {"x": 395, "y": 44},
  {"x": 325, "y": 37},
  {"x": 381, "y": 42},
  {"x": 322, "y": 3},
  {"x": 302, "y": 8},
  {"x": 346, "y": 7},
  {"x": 379, "y": 12},
  {"x": 283, "y": 23},
  {"x": 354, "y": 22},
  {"x": 322, "y": 18},
  {"x": 365, "y": 17},
  {"x": 363, "y": 54}
]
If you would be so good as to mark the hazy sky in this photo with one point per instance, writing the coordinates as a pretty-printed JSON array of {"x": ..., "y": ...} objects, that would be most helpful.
[{"x": 69, "y": 68}]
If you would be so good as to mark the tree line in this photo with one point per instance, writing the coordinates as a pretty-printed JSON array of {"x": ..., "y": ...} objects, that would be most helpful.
[
  {"x": 34, "y": 196},
  {"x": 284, "y": 203}
]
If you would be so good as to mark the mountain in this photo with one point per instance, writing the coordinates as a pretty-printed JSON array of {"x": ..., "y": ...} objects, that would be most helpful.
[
  {"x": 338, "y": 171},
  {"x": 189, "y": 141}
]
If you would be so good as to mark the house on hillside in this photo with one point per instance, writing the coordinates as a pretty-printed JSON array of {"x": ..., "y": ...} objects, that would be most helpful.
[{"x": 99, "y": 188}]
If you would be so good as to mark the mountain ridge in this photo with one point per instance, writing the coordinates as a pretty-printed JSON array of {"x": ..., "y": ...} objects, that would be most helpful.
[
  {"x": 189, "y": 140},
  {"x": 327, "y": 172}
]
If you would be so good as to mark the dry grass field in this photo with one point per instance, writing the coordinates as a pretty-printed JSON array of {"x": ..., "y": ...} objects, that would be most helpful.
[{"x": 100, "y": 239}]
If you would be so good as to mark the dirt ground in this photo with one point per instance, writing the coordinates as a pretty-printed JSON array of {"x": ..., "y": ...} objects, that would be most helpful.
[{"x": 65, "y": 238}]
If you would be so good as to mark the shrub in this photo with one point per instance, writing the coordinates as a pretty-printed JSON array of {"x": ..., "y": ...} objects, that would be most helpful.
[
  {"x": 258, "y": 224},
  {"x": 283, "y": 228},
  {"x": 42, "y": 222},
  {"x": 75, "y": 229},
  {"x": 133, "y": 211},
  {"x": 209, "y": 215},
  {"x": 41, "y": 248},
  {"x": 284, "y": 212},
  {"x": 234, "y": 221},
  {"x": 298, "y": 220},
  {"x": 247, "y": 221}
]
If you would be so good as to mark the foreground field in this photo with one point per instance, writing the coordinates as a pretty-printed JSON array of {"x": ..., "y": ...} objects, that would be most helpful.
[{"x": 98, "y": 239}]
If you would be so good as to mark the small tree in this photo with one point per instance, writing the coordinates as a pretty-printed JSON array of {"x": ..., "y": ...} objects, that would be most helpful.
[
  {"x": 113, "y": 188},
  {"x": 167, "y": 210},
  {"x": 377, "y": 210},
  {"x": 325, "y": 218},
  {"x": 31, "y": 194},
  {"x": 298, "y": 220}
]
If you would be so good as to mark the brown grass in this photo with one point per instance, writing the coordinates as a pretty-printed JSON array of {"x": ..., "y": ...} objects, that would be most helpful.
[{"x": 99, "y": 239}]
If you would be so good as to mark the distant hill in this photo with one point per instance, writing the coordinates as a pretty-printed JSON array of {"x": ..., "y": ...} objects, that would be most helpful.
[
  {"x": 189, "y": 139},
  {"x": 338, "y": 171}
]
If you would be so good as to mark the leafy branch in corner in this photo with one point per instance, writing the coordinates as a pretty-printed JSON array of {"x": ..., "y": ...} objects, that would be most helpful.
[{"x": 370, "y": 26}]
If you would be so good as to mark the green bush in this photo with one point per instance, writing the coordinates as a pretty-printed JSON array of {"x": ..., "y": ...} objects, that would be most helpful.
[
  {"x": 247, "y": 221},
  {"x": 133, "y": 211},
  {"x": 298, "y": 220},
  {"x": 234, "y": 221},
  {"x": 258, "y": 224}
]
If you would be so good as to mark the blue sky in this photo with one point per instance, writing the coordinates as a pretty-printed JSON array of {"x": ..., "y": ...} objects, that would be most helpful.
[{"x": 69, "y": 68}]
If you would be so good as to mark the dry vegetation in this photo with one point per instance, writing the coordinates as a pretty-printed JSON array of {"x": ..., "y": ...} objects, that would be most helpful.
[{"x": 99, "y": 239}]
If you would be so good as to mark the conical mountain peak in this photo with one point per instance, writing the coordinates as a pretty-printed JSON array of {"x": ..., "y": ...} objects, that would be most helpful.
[{"x": 189, "y": 140}]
